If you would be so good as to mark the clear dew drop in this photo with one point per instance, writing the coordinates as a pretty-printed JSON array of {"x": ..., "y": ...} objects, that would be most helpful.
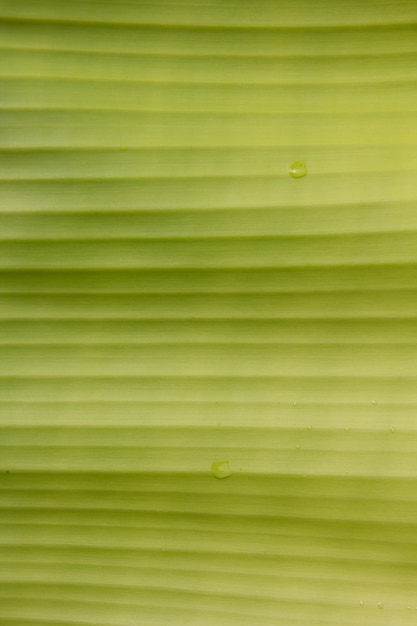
[
  {"x": 380, "y": 605},
  {"x": 392, "y": 429},
  {"x": 373, "y": 402},
  {"x": 221, "y": 469},
  {"x": 298, "y": 169},
  {"x": 361, "y": 603}
]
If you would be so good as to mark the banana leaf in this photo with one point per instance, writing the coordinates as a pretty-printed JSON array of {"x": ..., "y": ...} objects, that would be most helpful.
[{"x": 208, "y": 313}]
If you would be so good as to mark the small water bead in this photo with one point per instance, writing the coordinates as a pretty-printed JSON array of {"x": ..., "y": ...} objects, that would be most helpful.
[
  {"x": 221, "y": 469},
  {"x": 298, "y": 169},
  {"x": 380, "y": 605}
]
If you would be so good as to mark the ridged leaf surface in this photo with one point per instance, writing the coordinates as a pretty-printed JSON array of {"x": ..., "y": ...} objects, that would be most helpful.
[{"x": 175, "y": 306}]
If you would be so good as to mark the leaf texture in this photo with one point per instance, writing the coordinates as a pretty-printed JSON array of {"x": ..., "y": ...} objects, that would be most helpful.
[{"x": 172, "y": 300}]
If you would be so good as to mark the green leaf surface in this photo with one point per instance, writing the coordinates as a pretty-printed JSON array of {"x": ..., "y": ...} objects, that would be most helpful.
[{"x": 208, "y": 384}]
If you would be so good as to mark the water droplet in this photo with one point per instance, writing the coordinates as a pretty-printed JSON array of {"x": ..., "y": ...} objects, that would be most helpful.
[
  {"x": 392, "y": 430},
  {"x": 380, "y": 605},
  {"x": 294, "y": 404},
  {"x": 297, "y": 447},
  {"x": 346, "y": 429},
  {"x": 361, "y": 602},
  {"x": 373, "y": 402},
  {"x": 309, "y": 427},
  {"x": 298, "y": 169},
  {"x": 221, "y": 469}
]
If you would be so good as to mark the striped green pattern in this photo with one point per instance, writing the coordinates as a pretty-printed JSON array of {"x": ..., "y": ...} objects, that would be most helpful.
[{"x": 171, "y": 298}]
